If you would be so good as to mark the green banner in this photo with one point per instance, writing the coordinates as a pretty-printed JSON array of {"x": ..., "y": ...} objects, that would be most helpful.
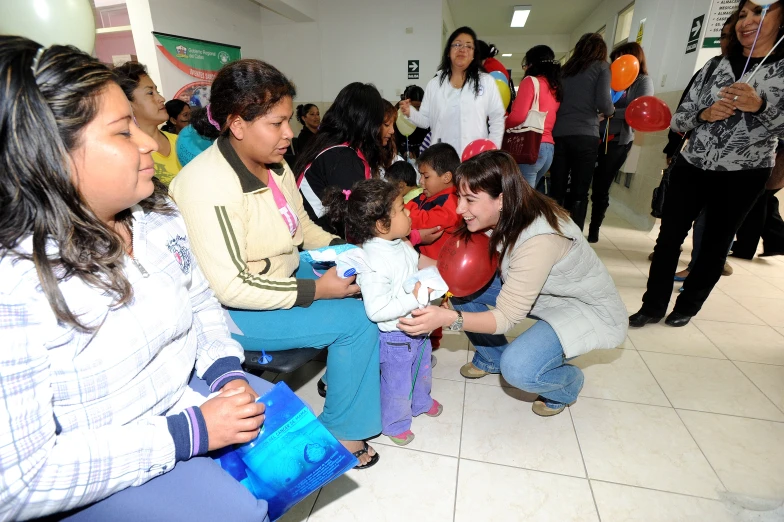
[{"x": 196, "y": 58}]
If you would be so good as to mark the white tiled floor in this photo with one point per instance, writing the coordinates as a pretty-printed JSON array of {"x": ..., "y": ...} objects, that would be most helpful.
[{"x": 676, "y": 426}]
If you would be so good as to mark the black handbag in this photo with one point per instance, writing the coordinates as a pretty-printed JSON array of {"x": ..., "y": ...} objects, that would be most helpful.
[{"x": 657, "y": 201}]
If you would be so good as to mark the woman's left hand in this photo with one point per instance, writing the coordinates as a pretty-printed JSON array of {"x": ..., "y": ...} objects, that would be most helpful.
[
  {"x": 426, "y": 320},
  {"x": 742, "y": 96}
]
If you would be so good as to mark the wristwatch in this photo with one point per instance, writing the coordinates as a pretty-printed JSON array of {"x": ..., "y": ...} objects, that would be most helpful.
[{"x": 458, "y": 324}]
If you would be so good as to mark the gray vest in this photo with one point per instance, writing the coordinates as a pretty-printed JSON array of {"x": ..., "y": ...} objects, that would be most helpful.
[{"x": 579, "y": 299}]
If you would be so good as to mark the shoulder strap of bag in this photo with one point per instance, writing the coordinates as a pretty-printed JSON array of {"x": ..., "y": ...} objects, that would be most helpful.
[
  {"x": 535, "y": 104},
  {"x": 307, "y": 167}
]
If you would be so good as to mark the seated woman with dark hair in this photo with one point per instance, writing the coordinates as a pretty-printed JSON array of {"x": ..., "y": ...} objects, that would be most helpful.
[
  {"x": 149, "y": 112},
  {"x": 112, "y": 338},
  {"x": 247, "y": 223},
  {"x": 346, "y": 149},
  {"x": 310, "y": 118}
]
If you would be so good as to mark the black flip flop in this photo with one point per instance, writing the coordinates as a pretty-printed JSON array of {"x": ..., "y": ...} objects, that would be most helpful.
[
  {"x": 363, "y": 451},
  {"x": 321, "y": 386}
]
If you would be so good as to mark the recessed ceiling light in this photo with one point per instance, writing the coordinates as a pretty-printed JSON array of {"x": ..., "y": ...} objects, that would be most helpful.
[
  {"x": 520, "y": 15},
  {"x": 507, "y": 55}
]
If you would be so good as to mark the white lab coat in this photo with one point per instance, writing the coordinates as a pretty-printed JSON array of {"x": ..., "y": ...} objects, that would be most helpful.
[{"x": 474, "y": 111}]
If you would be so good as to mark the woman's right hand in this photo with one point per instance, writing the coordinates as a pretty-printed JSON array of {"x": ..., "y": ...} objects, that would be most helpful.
[
  {"x": 721, "y": 110},
  {"x": 233, "y": 417},
  {"x": 330, "y": 286},
  {"x": 405, "y": 107}
]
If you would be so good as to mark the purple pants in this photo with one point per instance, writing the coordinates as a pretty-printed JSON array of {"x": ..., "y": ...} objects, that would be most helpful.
[{"x": 399, "y": 357}]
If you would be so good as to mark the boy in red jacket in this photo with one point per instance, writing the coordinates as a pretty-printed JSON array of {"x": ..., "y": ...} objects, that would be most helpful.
[{"x": 437, "y": 205}]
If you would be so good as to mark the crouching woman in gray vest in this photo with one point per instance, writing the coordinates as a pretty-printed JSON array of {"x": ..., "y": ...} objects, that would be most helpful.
[{"x": 547, "y": 272}]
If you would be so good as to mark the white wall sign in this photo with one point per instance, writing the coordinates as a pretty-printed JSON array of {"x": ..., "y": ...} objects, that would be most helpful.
[{"x": 720, "y": 11}]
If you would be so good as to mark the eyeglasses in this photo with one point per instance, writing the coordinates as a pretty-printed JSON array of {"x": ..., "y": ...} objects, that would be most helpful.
[{"x": 457, "y": 46}]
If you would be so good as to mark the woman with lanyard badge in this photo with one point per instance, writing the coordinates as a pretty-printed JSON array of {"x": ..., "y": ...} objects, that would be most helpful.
[
  {"x": 461, "y": 98},
  {"x": 735, "y": 129}
]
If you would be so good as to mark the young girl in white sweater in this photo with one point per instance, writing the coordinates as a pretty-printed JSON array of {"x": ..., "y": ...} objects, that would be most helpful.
[{"x": 375, "y": 218}]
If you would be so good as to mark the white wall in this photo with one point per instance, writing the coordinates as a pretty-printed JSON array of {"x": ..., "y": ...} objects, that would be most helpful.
[
  {"x": 355, "y": 40},
  {"x": 234, "y": 22}
]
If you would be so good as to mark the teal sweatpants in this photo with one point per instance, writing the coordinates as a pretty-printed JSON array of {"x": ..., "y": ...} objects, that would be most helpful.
[{"x": 353, "y": 407}]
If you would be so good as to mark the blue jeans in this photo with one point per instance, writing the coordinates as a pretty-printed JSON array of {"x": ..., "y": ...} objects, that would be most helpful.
[
  {"x": 534, "y": 173},
  {"x": 352, "y": 410},
  {"x": 196, "y": 489},
  {"x": 533, "y": 362}
]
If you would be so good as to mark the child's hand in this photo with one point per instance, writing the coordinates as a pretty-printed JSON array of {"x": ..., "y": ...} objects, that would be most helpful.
[{"x": 430, "y": 235}]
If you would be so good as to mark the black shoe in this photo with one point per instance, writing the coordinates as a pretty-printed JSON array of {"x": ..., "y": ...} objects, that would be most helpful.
[
  {"x": 593, "y": 236},
  {"x": 639, "y": 320},
  {"x": 322, "y": 388},
  {"x": 772, "y": 253},
  {"x": 677, "y": 319}
]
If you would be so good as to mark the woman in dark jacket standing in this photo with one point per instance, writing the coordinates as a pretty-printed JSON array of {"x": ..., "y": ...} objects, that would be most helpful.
[
  {"x": 735, "y": 130},
  {"x": 616, "y": 140},
  {"x": 309, "y": 116},
  {"x": 586, "y": 85}
]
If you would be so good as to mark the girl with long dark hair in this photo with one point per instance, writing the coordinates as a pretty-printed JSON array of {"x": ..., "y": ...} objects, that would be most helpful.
[
  {"x": 617, "y": 139},
  {"x": 586, "y": 96},
  {"x": 540, "y": 66},
  {"x": 112, "y": 338},
  {"x": 461, "y": 99},
  {"x": 179, "y": 116},
  {"x": 245, "y": 214},
  {"x": 346, "y": 149},
  {"x": 547, "y": 271}
]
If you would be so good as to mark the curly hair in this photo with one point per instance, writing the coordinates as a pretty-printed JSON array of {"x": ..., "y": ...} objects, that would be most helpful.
[
  {"x": 128, "y": 76},
  {"x": 369, "y": 202},
  {"x": 47, "y": 98},
  {"x": 245, "y": 88}
]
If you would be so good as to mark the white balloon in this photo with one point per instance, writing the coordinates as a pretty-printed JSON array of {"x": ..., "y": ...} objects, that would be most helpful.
[
  {"x": 404, "y": 125},
  {"x": 48, "y": 22}
]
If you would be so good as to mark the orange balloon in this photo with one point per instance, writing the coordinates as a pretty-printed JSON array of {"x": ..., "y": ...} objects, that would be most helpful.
[{"x": 624, "y": 71}]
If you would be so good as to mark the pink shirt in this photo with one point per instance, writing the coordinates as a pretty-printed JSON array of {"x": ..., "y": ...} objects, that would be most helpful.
[
  {"x": 522, "y": 104},
  {"x": 286, "y": 212}
]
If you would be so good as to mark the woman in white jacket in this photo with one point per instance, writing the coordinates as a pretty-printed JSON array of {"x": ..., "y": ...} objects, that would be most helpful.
[{"x": 461, "y": 103}]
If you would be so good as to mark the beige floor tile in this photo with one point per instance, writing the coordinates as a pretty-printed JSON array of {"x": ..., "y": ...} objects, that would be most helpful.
[
  {"x": 778, "y": 282},
  {"x": 438, "y": 434},
  {"x": 301, "y": 511},
  {"x": 452, "y": 354},
  {"x": 612, "y": 257},
  {"x": 619, "y": 375},
  {"x": 709, "y": 385},
  {"x": 498, "y": 493},
  {"x": 687, "y": 340},
  {"x": 763, "y": 267},
  {"x": 402, "y": 485},
  {"x": 745, "y": 342},
  {"x": 742, "y": 285},
  {"x": 499, "y": 427},
  {"x": 632, "y": 243},
  {"x": 769, "y": 310},
  {"x": 721, "y": 307},
  {"x": 303, "y": 383},
  {"x": 619, "y": 503},
  {"x": 641, "y": 445},
  {"x": 628, "y": 276},
  {"x": 628, "y": 345},
  {"x": 747, "y": 454},
  {"x": 769, "y": 379}
]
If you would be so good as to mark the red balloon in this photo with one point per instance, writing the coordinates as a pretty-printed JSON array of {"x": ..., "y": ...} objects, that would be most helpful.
[
  {"x": 466, "y": 264},
  {"x": 624, "y": 71},
  {"x": 648, "y": 114},
  {"x": 477, "y": 146}
]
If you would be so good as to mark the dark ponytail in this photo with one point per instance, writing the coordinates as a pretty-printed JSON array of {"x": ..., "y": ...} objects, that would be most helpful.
[
  {"x": 541, "y": 62},
  {"x": 357, "y": 211},
  {"x": 302, "y": 110}
]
